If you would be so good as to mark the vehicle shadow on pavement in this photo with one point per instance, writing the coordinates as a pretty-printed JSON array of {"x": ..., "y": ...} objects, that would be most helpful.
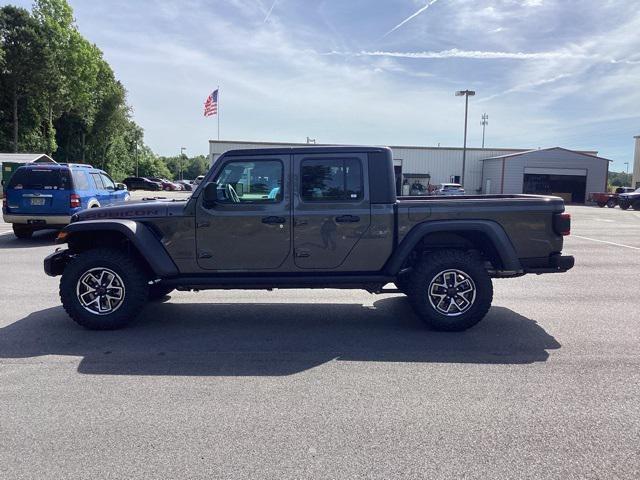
[
  {"x": 272, "y": 339},
  {"x": 39, "y": 239}
]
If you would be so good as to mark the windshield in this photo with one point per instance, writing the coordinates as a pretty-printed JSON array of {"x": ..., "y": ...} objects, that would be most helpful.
[{"x": 40, "y": 179}]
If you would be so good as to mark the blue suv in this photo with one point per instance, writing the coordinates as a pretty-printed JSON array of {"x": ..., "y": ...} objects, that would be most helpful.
[{"x": 41, "y": 196}]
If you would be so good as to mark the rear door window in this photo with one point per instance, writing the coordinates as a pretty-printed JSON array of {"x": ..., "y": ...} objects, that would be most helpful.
[
  {"x": 80, "y": 181},
  {"x": 40, "y": 179},
  {"x": 331, "y": 179}
]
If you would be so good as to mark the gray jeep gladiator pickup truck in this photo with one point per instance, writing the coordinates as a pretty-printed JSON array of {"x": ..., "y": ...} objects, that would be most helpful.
[{"x": 313, "y": 217}]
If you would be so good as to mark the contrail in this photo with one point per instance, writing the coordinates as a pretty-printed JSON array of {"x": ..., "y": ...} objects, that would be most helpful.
[
  {"x": 270, "y": 10},
  {"x": 457, "y": 53},
  {"x": 525, "y": 86},
  {"x": 410, "y": 17}
]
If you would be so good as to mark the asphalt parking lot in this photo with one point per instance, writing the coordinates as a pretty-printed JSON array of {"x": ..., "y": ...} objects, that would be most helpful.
[{"x": 330, "y": 384}]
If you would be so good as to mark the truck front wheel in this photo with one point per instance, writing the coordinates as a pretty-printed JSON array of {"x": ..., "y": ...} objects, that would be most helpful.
[
  {"x": 450, "y": 290},
  {"x": 103, "y": 289}
]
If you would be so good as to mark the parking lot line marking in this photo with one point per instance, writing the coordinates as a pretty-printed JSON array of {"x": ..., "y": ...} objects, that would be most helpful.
[{"x": 609, "y": 243}]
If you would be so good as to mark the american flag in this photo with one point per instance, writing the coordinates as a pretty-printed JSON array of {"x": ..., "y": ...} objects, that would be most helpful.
[{"x": 211, "y": 104}]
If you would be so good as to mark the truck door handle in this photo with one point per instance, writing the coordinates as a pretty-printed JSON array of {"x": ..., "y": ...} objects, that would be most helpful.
[
  {"x": 273, "y": 220},
  {"x": 347, "y": 219}
]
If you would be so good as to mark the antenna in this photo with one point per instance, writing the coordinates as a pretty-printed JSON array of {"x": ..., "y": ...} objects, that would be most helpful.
[{"x": 484, "y": 122}]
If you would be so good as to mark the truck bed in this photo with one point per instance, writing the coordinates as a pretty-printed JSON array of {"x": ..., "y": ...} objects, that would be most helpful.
[{"x": 526, "y": 219}]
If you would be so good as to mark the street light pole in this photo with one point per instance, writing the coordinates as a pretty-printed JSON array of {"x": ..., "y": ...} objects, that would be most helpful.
[
  {"x": 182, "y": 149},
  {"x": 466, "y": 94},
  {"x": 627, "y": 164}
]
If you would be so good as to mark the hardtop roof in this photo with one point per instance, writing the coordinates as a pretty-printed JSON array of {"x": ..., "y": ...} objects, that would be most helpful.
[{"x": 303, "y": 150}]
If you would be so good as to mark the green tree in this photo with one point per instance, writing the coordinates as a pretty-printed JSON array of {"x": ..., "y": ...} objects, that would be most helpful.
[
  {"x": 60, "y": 96},
  {"x": 619, "y": 179},
  {"x": 22, "y": 69},
  {"x": 190, "y": 167}
]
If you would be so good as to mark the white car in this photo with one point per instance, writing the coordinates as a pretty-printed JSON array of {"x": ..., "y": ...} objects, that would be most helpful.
[
  {"x": 198, "y": 180},
  {"x": 449, "y": 189}
]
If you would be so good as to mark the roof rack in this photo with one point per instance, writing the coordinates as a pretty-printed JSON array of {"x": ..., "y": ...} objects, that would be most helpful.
[{"x": 77, "y": 165}]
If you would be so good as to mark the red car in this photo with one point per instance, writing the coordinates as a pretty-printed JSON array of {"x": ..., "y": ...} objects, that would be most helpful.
[
  {"x": 166, "y": 184},
  {"x": 608, "y": 199}
]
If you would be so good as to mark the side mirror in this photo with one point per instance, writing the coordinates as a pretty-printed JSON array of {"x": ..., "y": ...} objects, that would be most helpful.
[
  {"x": 121, "y": 186},
  {"x": 210, "y": 194}
]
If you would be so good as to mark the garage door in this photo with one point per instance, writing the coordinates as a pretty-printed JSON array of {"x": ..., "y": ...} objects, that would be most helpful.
[{"x": 568, "y": 183}]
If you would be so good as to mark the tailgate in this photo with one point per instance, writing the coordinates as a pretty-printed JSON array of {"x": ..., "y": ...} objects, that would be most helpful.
[{"x": 39, "y": 202}]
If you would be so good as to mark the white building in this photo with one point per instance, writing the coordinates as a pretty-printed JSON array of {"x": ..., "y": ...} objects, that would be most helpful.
[{"x": 436, "y": 165}]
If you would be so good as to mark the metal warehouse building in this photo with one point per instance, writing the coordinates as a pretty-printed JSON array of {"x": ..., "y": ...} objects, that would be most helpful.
[{"x": 566, "y": 173}]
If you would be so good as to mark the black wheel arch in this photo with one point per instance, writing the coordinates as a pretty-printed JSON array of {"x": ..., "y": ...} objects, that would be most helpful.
[
  {"x": 134, "y": 237},
  {"x": 485, "y": 236}
]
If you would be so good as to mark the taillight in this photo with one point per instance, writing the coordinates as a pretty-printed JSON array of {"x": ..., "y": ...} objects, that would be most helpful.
[
  {"x": 562, "y": 223},
  {"x": 74, "y": 200}
]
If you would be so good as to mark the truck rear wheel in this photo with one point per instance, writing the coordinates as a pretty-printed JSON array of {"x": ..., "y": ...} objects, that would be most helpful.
[
  {"x": 22, "y": 231},
  {"x": 158, "y": 292},
  {"x": 450, "y": 290},
  {"x": 103, "y": 289}
]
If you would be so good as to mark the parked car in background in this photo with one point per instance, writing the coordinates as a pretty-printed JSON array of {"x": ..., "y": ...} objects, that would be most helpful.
[
  {"x": 198, "y": 180},
  {"x": 167, "y": 185},
  {"x": 186, "y": 184},
  {"x": 631, "y": 199},
  {"x": 142, "y": 183},
  {"x": 449, "y": 189},
  {"x": 609, "y": 199},
  {"x": 43, "y": 196}
]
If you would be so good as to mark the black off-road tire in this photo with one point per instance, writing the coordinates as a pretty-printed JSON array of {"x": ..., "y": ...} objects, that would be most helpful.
[
  {"x": 158, "y": 292},
  {"x": 22, "y": 231},
  {"x": 429, "y": 268},
  {"x": 134, "y": 280},
  {"x": 612, "y": 203},
  {"x": 636, "y": 205},
  {"x": 624, "y": 206},
  {"x": 402, "y": 283},
  {"x": 602, "y": 204}
]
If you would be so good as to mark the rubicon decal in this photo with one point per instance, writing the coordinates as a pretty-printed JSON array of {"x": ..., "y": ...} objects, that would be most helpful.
[{"x": 97, "y": 213}]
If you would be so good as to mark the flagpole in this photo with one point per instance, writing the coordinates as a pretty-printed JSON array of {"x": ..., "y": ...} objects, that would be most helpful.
[{"x": 218, "y": 112}]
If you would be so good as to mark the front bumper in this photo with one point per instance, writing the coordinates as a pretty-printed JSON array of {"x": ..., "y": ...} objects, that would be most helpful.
[
  {"x": 54, "y": 264},
  {"x": 37, "y": 220}
]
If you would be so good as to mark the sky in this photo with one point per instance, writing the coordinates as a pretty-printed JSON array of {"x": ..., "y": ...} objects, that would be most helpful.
[{"x": 546, "y": 72}]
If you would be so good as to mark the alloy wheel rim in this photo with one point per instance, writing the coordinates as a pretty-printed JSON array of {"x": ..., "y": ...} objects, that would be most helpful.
[
  {"x": 100, "y": 291},
  {"x": 452, "y": 292}
]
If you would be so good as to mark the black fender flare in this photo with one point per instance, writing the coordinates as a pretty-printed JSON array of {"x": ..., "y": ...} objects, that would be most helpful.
[
  {"x": 139, "y": 235},
  {"x": 492, "y": 230}
]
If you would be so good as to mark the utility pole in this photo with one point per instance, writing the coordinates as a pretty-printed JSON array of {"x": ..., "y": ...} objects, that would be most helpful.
[
  {"x": 137, "y": 174},
  {"x": 466, "y": 94},
  {"x": 627, "y": 164},
  {"x": 484, "y": 122}
]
